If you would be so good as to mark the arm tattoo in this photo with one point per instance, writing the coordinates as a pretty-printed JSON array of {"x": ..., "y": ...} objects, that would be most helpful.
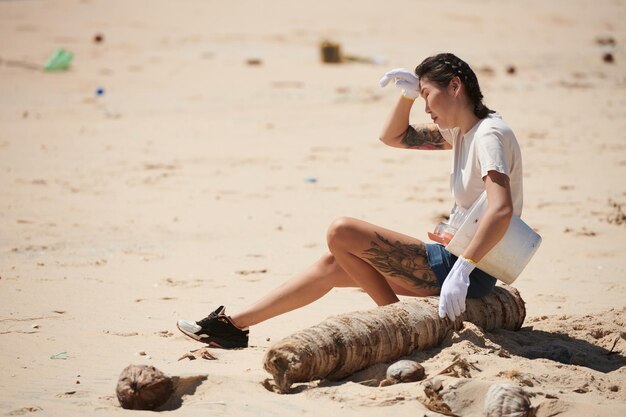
[
  {"x": 406, "y": 261},
  {"x": 426, "y": 136}
]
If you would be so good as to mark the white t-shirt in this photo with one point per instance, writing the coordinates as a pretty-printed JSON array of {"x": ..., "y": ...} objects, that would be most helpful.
[{"x": 488, "y": 146}]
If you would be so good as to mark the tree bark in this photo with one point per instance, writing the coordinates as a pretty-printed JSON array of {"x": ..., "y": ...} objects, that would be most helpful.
[{"x": 344, "y": 344}]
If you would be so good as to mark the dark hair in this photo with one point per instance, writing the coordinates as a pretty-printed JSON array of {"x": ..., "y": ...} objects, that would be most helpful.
[{"x": 441, "y": 68}]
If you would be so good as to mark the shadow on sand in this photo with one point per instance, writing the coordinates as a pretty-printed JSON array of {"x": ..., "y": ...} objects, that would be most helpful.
[
  {"x": 526, "y": 342},
  {"x": 182, "y": 386},
  {"x": 559, "y": 347}
]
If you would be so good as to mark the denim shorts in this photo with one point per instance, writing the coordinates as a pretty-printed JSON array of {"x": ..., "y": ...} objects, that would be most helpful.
[{"x": 441, "y": 261}]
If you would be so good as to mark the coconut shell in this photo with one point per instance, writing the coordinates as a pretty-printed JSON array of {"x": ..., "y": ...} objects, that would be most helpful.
[
  {"x": 507, "y": 400},
  {"x": 143, "y": 387},
  {"x": 405, "y": 371}
]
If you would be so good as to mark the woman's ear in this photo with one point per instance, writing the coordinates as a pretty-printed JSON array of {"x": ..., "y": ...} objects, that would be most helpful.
[{"x": 455, "y": 86}]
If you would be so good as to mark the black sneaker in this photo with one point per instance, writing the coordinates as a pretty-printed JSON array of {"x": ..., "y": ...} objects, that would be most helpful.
[{"x": 216, "y": 330}]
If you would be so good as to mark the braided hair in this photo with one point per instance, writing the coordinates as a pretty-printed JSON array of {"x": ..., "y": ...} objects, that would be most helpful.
[{"x": 441, "y": 68}]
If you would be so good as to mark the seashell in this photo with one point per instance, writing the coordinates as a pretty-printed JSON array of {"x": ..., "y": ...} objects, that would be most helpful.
[
  {"x": 507, "y": 400},
  {"x": 405, "y": 371},
  {"x": 386, "y": 383},
  {"x": 435, "y": 384},
  {"x": 142, "y": 387}
]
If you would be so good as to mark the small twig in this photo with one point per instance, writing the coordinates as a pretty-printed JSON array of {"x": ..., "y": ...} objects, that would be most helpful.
[
  {"x": 434, "y": 402},
  {"x": 30, "y": 318},
  {"x": 614, "y": 344},
  {"x": 21, "y": 64},
  {"x": 462, "y": 363},
  {"x": 368, "y": 382},
  {"x": 18, "y": 331}
]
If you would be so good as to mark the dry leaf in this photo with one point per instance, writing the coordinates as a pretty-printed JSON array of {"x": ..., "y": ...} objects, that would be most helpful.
[{"x": 202, "y": 353}]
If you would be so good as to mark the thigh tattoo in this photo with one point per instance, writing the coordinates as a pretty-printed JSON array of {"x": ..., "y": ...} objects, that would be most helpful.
[{"x": 402, "y": 260}]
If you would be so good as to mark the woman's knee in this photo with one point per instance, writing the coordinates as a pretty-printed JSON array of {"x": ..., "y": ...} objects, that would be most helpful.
[
  {"x": 342, "y": 231},
  {"x": 328, "y": 263},
  {"x": 331, "y": 272}
]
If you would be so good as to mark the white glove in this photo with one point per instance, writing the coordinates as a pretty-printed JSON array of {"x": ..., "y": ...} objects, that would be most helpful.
[
  {"x": 454, "y": 289},
  {"x": 405, "y": 80}
]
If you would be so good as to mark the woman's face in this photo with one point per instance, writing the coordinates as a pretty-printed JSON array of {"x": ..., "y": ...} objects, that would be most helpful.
[{"x": 441, "y": 103}]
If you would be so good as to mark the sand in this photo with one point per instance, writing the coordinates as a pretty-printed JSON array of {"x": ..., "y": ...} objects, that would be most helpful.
[{"x": 198, "y": 179}]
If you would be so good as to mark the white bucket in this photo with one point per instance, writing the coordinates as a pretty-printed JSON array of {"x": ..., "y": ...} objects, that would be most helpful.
[{"x": 507, "y": 259}]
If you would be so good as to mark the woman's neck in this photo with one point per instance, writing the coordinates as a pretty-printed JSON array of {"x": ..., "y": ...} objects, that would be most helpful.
[{"x": 467, "y": 121}]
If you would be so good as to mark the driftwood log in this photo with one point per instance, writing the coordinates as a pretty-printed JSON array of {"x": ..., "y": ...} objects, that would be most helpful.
[{"x": 344, "y": 344}]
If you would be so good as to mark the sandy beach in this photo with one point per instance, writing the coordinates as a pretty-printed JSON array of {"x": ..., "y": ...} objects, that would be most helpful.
[{"x": 195, "y": 156}]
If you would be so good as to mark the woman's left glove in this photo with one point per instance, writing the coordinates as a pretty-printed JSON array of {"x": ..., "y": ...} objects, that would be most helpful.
[
  {"x": 405, "y": 80},
  {"x": 454, "y": 289}
]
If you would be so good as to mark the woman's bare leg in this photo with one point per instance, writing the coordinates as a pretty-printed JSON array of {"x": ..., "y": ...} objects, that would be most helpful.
[
  {"x": 304, "y": 288},
  {"x": 380, "y": 261}
]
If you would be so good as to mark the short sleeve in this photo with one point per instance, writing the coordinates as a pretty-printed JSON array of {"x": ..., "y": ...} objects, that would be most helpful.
[{"x": 491, "y": 153}]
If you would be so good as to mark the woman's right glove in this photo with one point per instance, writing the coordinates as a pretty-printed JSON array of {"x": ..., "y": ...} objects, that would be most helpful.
[
  {"x": 454, "y": 289},
  {"x": 405, "y": 80}
]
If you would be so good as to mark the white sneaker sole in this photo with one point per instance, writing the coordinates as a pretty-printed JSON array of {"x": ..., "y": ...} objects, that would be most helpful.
[{"x": 188, "y": 328}]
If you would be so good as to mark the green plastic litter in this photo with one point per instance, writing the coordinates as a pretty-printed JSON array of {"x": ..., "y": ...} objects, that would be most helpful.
[
  {"x": 59, "y": 61},
  {"x": 61, "y": 355}
]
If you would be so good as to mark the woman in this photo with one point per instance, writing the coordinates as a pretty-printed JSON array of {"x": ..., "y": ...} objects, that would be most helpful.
[{"x": 385, "y": 263}]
